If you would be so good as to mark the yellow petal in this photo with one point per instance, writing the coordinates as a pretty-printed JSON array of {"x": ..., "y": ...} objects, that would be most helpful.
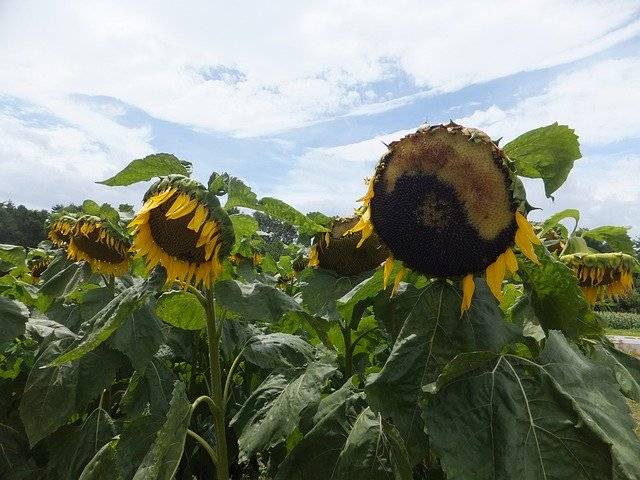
[
  {"x": 468, "y": 287},
  {"x": 181, "y": 207},
  {"x": 399, "y": 276},
  {"x": 525, "y": 245},
  {"x": 525, "y": 226},
  {"x": 198, "y": 218},
  {"x": 511, "y": 261},
  {"x": 495, "y": 275},
  {"x": 386, "y": 271},
  {"x": 314, "y": 261}
]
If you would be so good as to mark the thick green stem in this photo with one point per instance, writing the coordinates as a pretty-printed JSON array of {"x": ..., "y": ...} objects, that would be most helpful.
[
  {"x": 222, "y": 467},
  {"x": 204, "y": 444},
  {"x": 348, "y": 352}
]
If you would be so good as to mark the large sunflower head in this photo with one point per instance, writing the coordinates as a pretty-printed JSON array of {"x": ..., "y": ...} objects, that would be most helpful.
[
  {"x": 338, "y": 250},
  {"x": 104, "y": 248},
  {"x": 182, "y": 227},
  {"x": 442, "y": 199},
  {"x": 60, "y": 230},
  {"x": 603, "y": 275}
]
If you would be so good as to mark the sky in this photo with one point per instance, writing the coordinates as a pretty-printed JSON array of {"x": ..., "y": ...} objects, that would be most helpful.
[{"x": 297, "y": 98}]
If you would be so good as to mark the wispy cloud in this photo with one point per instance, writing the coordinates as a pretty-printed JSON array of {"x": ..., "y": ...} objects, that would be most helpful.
[
  {"x": 293, "y": 63},
  {"x": 601, "y": 101}
]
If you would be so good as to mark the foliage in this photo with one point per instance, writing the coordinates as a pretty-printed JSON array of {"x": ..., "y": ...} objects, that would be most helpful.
[
  {"x": 283, "y": 373},
  {"x": 621, "y": 320},
  {"x": 21, "y": 225}
]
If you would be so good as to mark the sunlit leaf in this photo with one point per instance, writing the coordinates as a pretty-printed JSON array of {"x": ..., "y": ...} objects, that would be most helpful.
[
  {"x": 182, "y": 310},
  {"x": 142, "y": 169},
  {"x": 616, "y": 237},
  {"x": 547, "y": 153}
]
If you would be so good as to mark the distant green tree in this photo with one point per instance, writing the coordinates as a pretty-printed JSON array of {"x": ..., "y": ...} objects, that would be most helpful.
[{"x": 22, "y": 226}]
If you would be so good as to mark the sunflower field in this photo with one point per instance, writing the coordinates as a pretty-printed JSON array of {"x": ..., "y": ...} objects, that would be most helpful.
[{"x": 437, "y": 333}]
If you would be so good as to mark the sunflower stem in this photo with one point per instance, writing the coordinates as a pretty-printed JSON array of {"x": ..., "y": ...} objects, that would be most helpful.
[
  {"x": 204, "y": 444},
  {"x": 222, "y": 466},
  {"x": 348, "y": 351}
]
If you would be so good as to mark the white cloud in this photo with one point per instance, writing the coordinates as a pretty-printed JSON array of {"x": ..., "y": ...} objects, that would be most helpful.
[
  {"x": 601, "y": 102},
  {"x": 59, "y": 164},
  {"x": 603, "y": 187},
  {"x": 299, "y": 62},
  {"x": 331, "y": 179}
]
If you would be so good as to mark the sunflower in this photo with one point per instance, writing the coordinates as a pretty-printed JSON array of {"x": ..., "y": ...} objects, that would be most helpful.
[
  {"x": 338, "y": 251},
  {"x": 602, "y": 275},
  {"x": 182, "y": 227},
  {"x": 38, "y": 262},
  {"x": 93, "y": 240},
  {"x": 442, "y": 200},
  {"x": 60, "y": 230}
]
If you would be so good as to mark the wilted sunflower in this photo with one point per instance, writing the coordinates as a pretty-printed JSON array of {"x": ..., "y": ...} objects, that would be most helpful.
[
  {"x": 182, "y": 227},
  {"x": 60, "y": 230},
  {"x": 602, "y": 275},
  {"x": 38, "y": 262},
  {"x": 338, "y": 251},
  {"x": 100, "y": 245},
  {"x": 442, "y": 200}
]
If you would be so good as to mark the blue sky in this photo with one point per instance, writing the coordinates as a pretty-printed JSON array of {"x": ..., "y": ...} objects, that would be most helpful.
[{"x": 296, "y": 98}]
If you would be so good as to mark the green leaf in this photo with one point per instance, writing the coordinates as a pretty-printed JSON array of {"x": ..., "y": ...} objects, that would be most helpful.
[
  {"x": 104, "y": 211},
  {"x": 240, "y": 195},
  {"x": 321, "y": 290},
  {"x": 72, "y": 447},
  {"x": 368, "y": 448},
  {"x": 13, "y": 254},
  {"x": 148, "y": 389},
  {"x": 182, "y": 310},
  {"x": 163, "y": 459},
  {"x": 433, "y": 333},
  {"x": 556, "y": 297},
  {"x": 139, "y": 338},
  {"x": 254, "y": 301},
  {"x": 142, "y": 169},
  {"x": 547, "y": 153},
  {"x": 278, "y": 350},
  {"x": 13, "y": 318},
  {"x": 67, "y": 280},
  {"x": 103, "y": 465},
  {"x": 624, "y": 367},
  {"x": 616, "y": 237},
  {"x": 280, "y": 210},
  {"x": 563, "y": 417},
  {"x": 53, "y": 394},
  {"x": 244, "y": 226},
  {"x": 272, "y": 411},
  {"x": 556, "y": 218},
  {"x": 107, "y": 320}
]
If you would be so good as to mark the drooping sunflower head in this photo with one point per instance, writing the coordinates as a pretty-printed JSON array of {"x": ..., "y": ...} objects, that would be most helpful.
[
  {"x": 338, "y": 250},
  {"x": 38, "y": 260},
  {"x": 442, "y": 199},
  {"x": 60, "y": 230},
  {"x": 603, "y": 275},
  {"x": 182, "y": 227},
  {"x": 103, "y": 247}
]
